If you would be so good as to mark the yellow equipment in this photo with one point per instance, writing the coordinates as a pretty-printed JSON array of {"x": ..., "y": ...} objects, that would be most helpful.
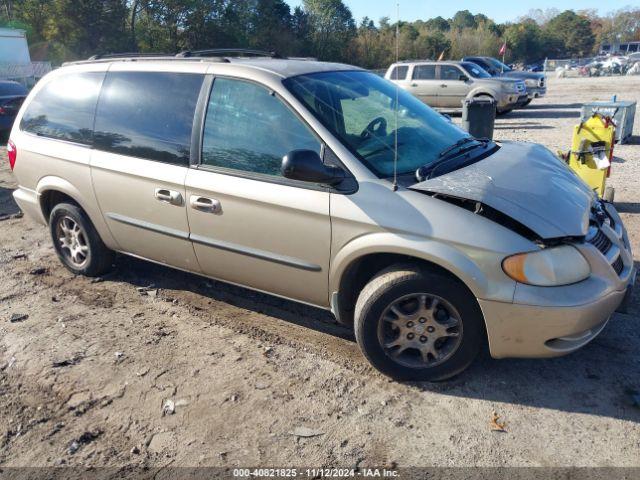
[{"x": 592, "y": 153}]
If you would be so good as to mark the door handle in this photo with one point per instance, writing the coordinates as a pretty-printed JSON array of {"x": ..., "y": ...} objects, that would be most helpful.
[
  {"x": 414, "y": 84},
  {"x": 204, "y": 204},
  {"x": 168, "y": 196},
  {"x": 443, "y": 85}
]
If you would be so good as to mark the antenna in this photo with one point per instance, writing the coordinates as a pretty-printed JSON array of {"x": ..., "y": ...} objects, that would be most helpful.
[{"x": 395, "y": 139}]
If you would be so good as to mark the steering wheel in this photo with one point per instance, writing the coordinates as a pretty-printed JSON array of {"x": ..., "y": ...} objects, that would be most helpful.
[{"x": 377, "y": 127}]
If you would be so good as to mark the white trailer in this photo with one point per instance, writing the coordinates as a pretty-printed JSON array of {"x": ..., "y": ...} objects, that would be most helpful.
[{"x": 15, "y": 61}]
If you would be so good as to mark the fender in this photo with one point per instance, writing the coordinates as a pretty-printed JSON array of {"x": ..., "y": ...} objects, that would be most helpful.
[
  {"x": 435, "y": 252},
  {"x": 59, "y": 184},
  {"x": 483, "y": 91}
]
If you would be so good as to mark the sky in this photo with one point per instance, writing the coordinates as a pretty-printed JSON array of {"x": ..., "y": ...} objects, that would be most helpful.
[{"x": 499, "y": 10}]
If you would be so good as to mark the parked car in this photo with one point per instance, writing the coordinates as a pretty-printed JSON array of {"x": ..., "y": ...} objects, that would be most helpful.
[
  {"x": 12, "y": 94},
  {"x": 324, "y": 184},
  {"x": 445, "y": 85},
  {"x": 536, "y": 82}
]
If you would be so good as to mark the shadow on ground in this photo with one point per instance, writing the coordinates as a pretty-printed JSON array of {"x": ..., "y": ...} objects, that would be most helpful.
[
  {"x": 600, "y": 379},
  {"x": 627, "y": 207},
  {"x": 8, "y": 205},
  {"x": 543, "y": 113},
  {"x": 522, "y": 125}
]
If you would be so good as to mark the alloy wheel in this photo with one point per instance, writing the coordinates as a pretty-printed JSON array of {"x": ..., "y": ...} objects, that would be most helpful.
[
  {"x": 72, "y": 241},
  {"x": 420, "y": 330}
]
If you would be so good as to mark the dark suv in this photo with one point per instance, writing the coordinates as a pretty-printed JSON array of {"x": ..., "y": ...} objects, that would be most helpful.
[
  {"x": 536, "y": 82},
  {"x": 12, "y": 94}
]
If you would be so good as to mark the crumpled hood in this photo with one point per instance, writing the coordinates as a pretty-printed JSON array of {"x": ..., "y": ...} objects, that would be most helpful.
[{"x": 526, "y": 182}]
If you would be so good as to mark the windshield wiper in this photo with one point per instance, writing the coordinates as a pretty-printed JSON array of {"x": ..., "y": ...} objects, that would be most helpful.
[
  {"x": 459, "y": 143},
  {"x": 452, "y": 152}
]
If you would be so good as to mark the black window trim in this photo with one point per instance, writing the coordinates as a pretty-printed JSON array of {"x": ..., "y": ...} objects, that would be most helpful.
[{"x": 197, "y": 140}]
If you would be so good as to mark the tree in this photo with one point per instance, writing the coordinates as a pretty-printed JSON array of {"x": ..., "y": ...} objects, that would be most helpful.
[
  {"x": 463, "y": 19},
  {"x": 85, "y": 27},
  {"x": 524, "y": 41},
  {"x": 437, "y": 24},
  {"x": 331, "y": 28},
  {"x": 572, "y": 32}
]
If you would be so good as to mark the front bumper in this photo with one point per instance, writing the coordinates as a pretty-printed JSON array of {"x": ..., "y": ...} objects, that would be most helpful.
[
  {"x": 553, "y": 321},
  {"x": 508, "y": 101},
  {"x": 545, "y": 331},
  {"x": 536, "y": 92}
]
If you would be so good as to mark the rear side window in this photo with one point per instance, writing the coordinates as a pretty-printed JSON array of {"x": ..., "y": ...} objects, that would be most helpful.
[
  {"x": 64, "y": 108},
  {"x": 399, "y": 73},
  {"x": 148, "y": 115},
  {"x": 424, "y": 72},
  {"x": 248, "y": 128}
]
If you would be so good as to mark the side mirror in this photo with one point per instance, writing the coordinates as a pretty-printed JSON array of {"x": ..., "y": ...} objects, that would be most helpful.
[
  {"x": 307, "y": 166},
  {"x": 463, "y": 78}
]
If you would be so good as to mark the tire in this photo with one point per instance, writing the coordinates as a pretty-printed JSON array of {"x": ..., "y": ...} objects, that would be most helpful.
[
  {"x": 77, "y": 243},
  {"x": 609, "y": 194},
  {"x": 404, "y": 287},
  {"x": 526, "y": 103},
  {"x": 504, "y": 112}
]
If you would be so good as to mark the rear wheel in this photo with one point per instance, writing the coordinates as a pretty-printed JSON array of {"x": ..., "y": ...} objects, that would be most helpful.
[
  {"x": 418, "y": 325},
  {"x": 77, "y": 243}
]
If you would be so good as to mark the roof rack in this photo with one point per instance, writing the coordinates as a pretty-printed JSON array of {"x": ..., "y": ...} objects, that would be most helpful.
[
  {"x": 221, "y": 52},
  {"x": 105, "y": 56}
]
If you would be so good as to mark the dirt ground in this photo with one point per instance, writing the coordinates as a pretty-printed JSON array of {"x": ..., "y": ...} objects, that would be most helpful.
[{"x": 258, "y": 381}]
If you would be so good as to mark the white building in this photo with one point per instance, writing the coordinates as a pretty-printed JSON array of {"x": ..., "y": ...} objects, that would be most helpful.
[{"x": 15, "y": 62}]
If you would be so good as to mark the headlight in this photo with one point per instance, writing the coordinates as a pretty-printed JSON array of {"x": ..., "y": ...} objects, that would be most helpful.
[
  {"x": 550, "y": 267},
  {"x": 509, "y": 87}
]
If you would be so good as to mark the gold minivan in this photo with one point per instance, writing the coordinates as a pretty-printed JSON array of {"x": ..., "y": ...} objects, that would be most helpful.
[{"x": 328, "y": 185}]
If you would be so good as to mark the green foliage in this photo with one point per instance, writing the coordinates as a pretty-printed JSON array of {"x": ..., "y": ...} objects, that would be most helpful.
[
  {"x": 571, "y": 32},
  {"x": 60, "y": 30}
]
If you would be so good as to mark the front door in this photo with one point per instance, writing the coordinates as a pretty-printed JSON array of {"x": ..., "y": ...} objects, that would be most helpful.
[
  {"x": 249, "y": 225},
  {"x": 424, "y": 84},
  {"x": 142, "y": 146},
  {"x": 453, "y": 87}
]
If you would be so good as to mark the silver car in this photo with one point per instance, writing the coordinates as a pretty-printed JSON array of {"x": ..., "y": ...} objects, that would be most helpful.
[
  {"x": 324, "y": 184},
  {"x": 446, "y": 85}
]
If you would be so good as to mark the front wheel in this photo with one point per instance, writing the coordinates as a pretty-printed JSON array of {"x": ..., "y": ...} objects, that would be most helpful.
[
  {"x": 417, "y": 325},
  {"x": 77, "y": 243}
]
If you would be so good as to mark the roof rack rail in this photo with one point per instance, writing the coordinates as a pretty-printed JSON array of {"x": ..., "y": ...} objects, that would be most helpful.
[
  {"x": 218, "y": 52},
  {"x": 127, "y": 55}
]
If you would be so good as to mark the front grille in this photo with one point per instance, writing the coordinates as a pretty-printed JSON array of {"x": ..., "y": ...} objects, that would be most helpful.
[
  {"x": 618, "y": 266},
  {"x": 601, "y": 242}
]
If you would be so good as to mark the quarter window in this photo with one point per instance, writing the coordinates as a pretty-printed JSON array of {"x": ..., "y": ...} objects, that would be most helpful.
[
  {"x": 424, "y": 72},
  {"x": 248, "y": 128},
  {"x": 148, "y": 115},
  {"x": 399, "y": 73},
  {"x": 64, "y": 108}
]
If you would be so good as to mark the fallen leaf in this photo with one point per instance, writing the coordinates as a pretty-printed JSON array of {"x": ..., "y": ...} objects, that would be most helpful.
[{"x": 495, "y": 425}]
